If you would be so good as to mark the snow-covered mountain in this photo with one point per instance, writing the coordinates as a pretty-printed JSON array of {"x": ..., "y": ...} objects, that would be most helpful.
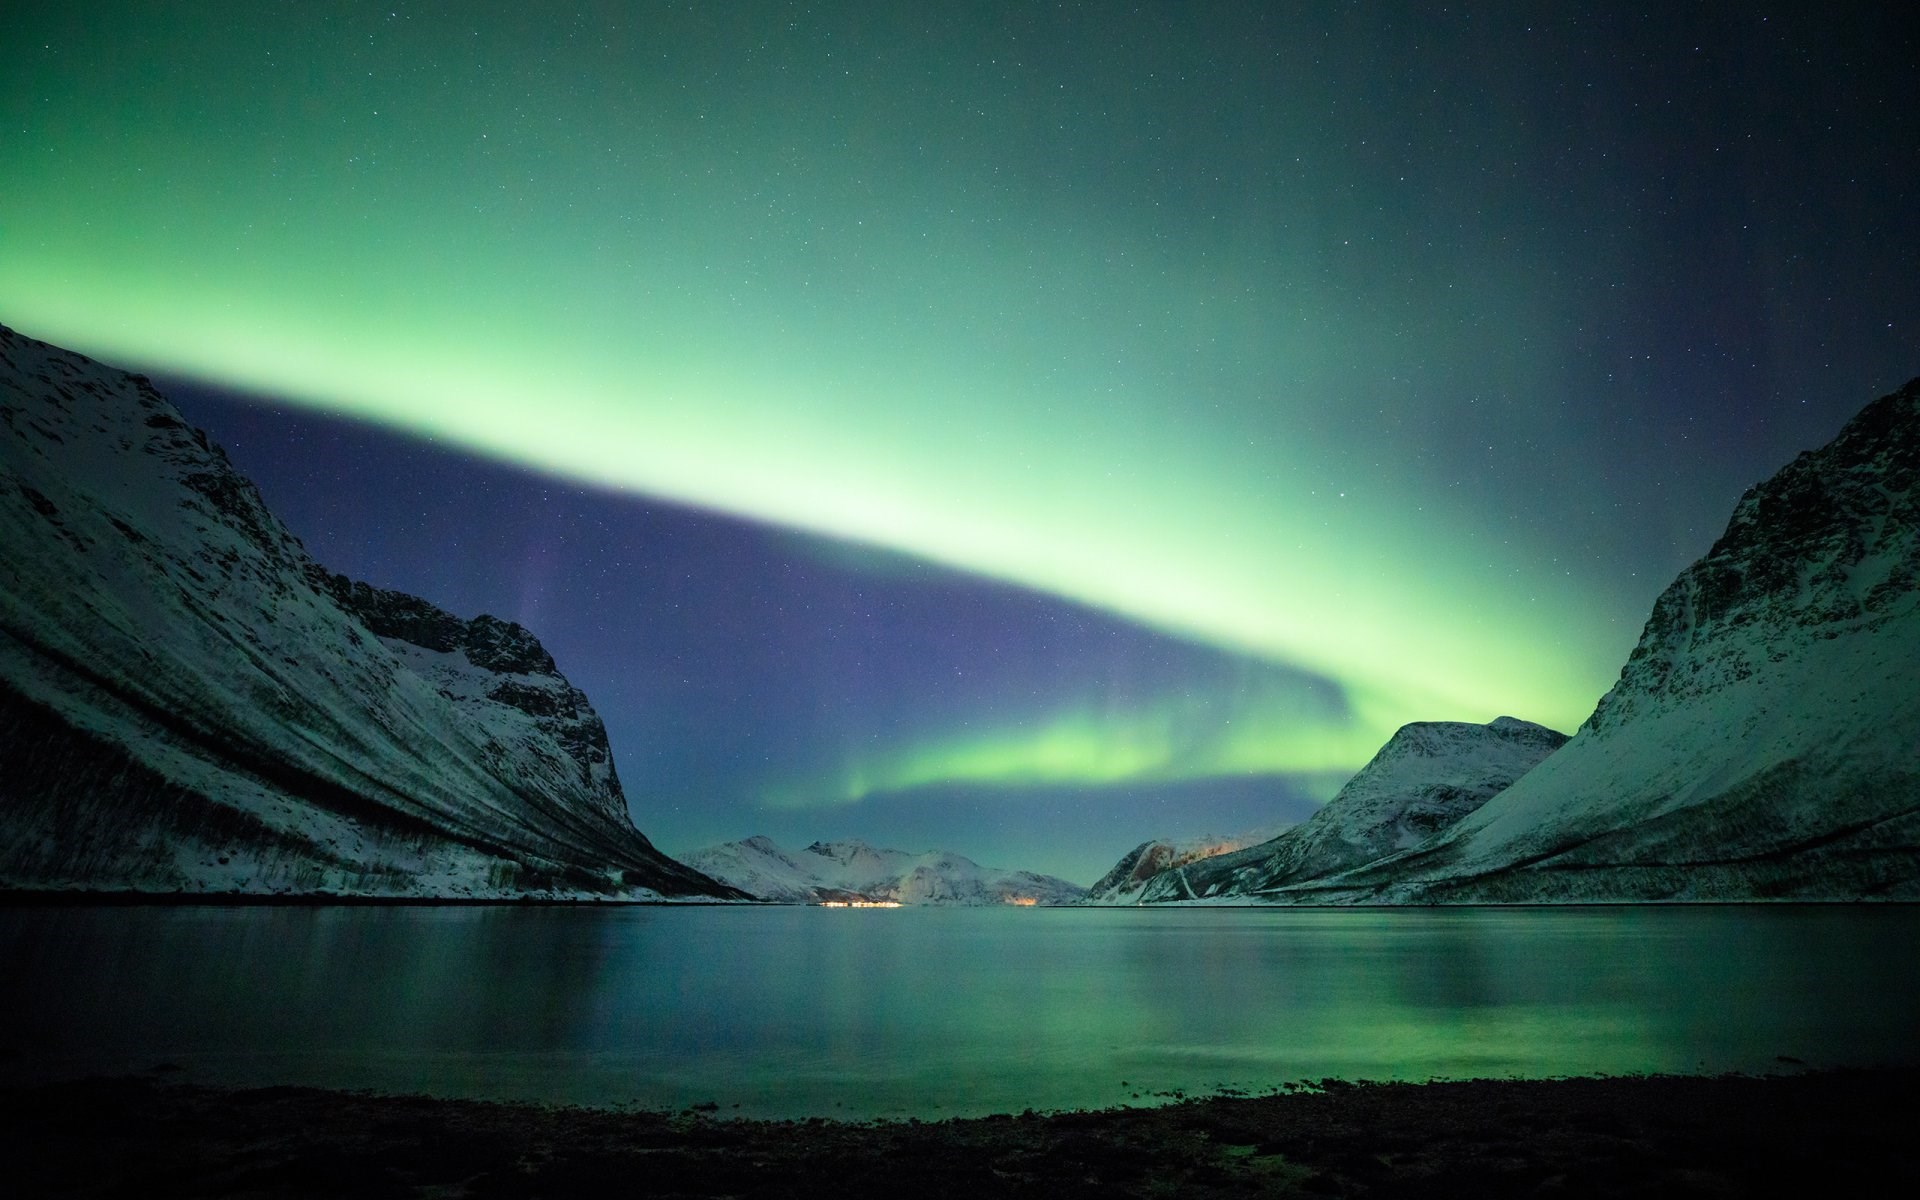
[
  {"x": 853, "y": 870},
  {"x": 1763, "y": 740},
  {"x": 1429, "y": 775},
  {"x": 188, "y": 702},
  {"x": 1129, "y": 877}
]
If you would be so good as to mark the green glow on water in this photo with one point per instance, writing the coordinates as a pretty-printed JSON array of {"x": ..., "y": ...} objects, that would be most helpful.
[{"x": 939, "y": 1012}]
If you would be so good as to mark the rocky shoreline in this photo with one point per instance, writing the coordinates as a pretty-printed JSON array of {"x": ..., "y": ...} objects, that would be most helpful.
[{"x": 1831, "y": 1132}]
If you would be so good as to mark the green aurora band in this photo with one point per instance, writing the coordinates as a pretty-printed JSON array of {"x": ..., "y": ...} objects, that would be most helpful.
[
  {"x": 1167, "y": 739},
  {"x": 968, "y": 308}
]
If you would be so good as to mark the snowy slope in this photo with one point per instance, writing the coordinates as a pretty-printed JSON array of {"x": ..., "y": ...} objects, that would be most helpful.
[
  {"x": 1128, "y": 879},
  {"x": 853, "y": 870},
  {"x": 1763, "y": 740},
  {"x": 189, "y": 702},
  {"x": 1429, "y": 775}
]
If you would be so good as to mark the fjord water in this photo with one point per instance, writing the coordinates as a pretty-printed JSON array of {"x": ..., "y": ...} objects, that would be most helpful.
[{"x": 940, "y": 1012}]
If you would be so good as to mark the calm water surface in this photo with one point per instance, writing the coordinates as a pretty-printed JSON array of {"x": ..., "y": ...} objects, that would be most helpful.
[{"x": 935, "y": 1012}]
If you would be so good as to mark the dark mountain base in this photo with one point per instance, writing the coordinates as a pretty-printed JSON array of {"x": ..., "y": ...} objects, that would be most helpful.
[
  {"x": 1753, "y": 842},
  {"x": 74, "y": 806},
  {"x": 1831, "y": 1133},
  {"x": 1827, "y": 876}
]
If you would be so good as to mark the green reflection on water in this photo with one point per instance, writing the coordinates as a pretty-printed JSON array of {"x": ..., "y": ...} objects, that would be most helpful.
[{"x": 936, "y": 1012}]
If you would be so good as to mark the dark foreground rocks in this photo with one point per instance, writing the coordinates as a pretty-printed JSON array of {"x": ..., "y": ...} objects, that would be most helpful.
[{"x": 1833, "y": 1133}]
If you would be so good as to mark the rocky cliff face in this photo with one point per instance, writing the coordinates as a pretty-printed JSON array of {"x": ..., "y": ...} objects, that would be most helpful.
[
  {"x": 1763, "y": 740},
  {"x": 480, "y": 666},
  {"x": 853, "y": 870},
  {"x": 1429, "y": 775},
  {"x": 1823, "y": 550},
  {"x": 188, "y": 702}
]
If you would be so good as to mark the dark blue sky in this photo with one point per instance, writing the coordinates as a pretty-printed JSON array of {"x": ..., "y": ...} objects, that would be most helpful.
[{"x": 741, "y": 669}]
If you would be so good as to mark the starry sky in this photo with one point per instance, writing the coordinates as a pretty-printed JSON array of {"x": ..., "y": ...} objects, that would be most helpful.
[{"x": 1023, "y": 429}]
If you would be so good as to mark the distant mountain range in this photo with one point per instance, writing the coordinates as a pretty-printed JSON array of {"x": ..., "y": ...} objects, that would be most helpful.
[
  {"x": 1763, "y": 741},
  {"x": 188, "y": 702},
  {"x": 853, "y": 870}
]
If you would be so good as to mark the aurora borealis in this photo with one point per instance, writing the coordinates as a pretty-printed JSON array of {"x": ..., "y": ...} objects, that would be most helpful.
[{"x": 1193, "y": 396}]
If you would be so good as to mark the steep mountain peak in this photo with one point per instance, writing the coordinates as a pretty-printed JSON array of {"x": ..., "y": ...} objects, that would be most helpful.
[
  {"x": 192, "y": 703},
  {"x": 1760, "y": 739},
  {"x": 1824, "y": 547}
]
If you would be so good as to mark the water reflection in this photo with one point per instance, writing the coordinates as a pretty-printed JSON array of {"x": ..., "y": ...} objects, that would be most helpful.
[{"x": 934, "y": 1012}]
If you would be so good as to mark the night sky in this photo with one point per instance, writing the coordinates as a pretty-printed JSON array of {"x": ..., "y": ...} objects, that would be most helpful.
[{"x": 1019, "y": 429}]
